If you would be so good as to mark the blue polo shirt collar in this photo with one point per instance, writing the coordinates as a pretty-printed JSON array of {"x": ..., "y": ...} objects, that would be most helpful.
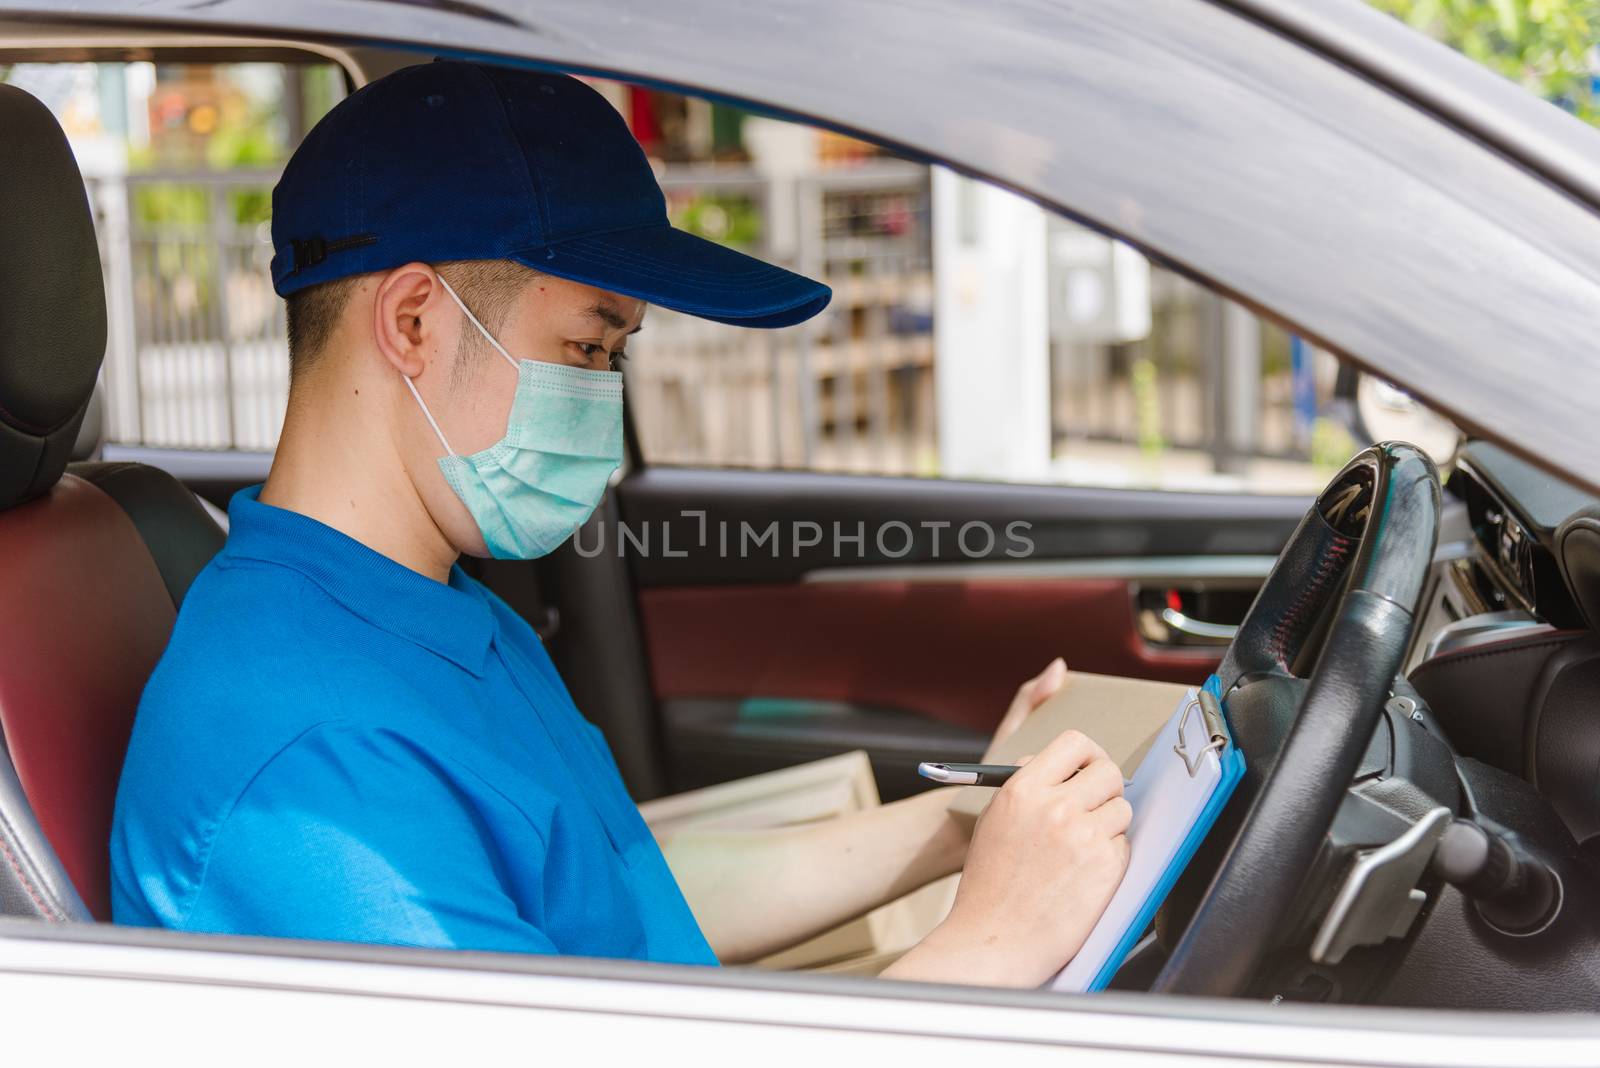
[{"x": 451, "y": 620}]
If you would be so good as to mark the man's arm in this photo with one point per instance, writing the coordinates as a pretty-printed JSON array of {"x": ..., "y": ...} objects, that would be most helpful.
[
  {"x": 756, "y": 892},
  {"x": 1044, "y": 860}
]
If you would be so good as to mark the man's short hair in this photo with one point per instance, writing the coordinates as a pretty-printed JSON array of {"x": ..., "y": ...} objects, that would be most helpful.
[{"x": 489, "y": 287}]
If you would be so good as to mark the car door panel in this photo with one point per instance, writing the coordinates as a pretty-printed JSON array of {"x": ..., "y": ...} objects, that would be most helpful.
[
  {"x": 908, "y": 670},
  {"x": 799, "y": 645},
  {"x": 953, "y": 651}
]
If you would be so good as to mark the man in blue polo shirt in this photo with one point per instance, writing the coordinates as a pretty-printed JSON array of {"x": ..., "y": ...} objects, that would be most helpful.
[{"x": 350, "y": 739}]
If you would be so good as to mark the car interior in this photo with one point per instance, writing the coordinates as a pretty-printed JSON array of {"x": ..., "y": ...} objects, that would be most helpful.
[{"x": 720, "y": 666}]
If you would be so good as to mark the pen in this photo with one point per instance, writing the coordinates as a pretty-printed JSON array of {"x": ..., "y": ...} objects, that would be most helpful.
[
  {"x": 968, "y": 774},
  {"x": 974, "y": 774}
]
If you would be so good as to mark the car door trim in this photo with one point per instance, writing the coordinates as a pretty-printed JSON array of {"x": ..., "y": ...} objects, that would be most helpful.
[
  {"x": 845, "y": 1004},
  {"x": 1241, "y": 571}
]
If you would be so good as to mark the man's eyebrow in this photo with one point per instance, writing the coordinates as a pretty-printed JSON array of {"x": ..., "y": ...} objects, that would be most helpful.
[{"x": 608, "y": 315}]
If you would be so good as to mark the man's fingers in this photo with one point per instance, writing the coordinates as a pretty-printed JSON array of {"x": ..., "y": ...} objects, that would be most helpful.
[
  {"x": 1061, "y": 759},
  {"x": 1021, "y": 705},
  {"x": 1045, "y": 685},
  {"x": 1096, "y": 782},
  {"x": 1041, "y": 686},
  {"x": 1114, "y": 816},
  {"x": 1031, "y": 694}
]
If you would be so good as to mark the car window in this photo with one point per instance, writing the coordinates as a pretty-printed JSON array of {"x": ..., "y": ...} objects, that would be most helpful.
[{"x": 971, "y": 334}]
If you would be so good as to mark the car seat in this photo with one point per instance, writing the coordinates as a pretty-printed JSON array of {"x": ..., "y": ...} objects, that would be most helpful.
[{"x": 94, "y": 557}]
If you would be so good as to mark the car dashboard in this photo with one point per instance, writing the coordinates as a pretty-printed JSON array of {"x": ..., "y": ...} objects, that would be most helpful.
[
  {"x": 1505, "y": 654},
  {"x": 1499, "y": 571}
]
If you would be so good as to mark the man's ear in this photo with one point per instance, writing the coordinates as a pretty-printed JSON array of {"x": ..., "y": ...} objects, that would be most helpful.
[{"x": 407, "y": 324}]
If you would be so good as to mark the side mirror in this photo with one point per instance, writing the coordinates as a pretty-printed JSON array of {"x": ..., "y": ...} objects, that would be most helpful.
[{"x": 1389, "y": 413}]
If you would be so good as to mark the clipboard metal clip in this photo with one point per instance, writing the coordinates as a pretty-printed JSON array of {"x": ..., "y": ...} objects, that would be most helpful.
[{"x": 1216, "y": 733}]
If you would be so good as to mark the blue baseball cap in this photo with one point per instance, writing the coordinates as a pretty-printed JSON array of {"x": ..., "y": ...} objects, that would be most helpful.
[{"x": 453, "y": 160}]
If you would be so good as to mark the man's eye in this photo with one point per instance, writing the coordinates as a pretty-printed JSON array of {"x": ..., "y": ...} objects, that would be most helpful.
[{"x": 590, "y": 350}]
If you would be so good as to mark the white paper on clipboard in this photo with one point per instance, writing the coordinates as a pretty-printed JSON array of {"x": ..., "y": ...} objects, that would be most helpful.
[{"x": 1167, "y": 801}]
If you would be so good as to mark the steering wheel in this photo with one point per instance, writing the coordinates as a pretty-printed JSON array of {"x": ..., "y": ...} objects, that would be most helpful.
[{"x": 1371, "y": 534}]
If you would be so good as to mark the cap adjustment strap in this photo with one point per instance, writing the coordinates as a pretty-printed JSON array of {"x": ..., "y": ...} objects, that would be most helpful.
[{"x": 310, "y": 251}]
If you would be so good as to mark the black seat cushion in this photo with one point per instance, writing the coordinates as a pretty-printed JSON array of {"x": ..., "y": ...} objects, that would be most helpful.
[{"x": 180, "y": 534}]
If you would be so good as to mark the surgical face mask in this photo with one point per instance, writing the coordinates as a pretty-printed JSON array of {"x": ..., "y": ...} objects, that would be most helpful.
[{"x": 532, "y": 489}]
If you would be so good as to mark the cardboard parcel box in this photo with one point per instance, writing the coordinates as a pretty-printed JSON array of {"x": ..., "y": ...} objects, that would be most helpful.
[
  {"x": 1123, "y": 715},
  {"x": 807, "y": 793}
]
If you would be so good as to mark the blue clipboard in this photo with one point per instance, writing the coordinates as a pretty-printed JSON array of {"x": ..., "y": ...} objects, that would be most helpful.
[{"x": 1231, "y": 762}]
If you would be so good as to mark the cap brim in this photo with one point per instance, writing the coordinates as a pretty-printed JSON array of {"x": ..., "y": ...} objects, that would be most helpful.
[{"x": 676, "y": 269}]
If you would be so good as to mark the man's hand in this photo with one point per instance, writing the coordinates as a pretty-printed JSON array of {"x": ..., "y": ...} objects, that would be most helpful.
[
  {"x": 1047, "y": 854},
  {"x": 759, "y": 891},
  {"x": 1030, "y": 695}
]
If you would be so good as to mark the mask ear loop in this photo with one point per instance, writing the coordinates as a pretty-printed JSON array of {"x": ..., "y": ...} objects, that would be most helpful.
[
  {"x": 474, "y": 319},
  {"x": 412, "y": 386}
]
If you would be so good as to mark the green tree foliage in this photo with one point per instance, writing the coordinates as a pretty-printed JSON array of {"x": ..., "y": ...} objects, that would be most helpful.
[{"x": 1542, "y": 45}]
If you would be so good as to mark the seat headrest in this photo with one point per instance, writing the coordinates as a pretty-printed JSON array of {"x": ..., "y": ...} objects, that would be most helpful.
[{"x": 52, "y": 300}]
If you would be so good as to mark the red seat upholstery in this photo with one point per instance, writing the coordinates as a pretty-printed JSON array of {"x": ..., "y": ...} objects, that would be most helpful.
[{"x": 75, "y": 662}]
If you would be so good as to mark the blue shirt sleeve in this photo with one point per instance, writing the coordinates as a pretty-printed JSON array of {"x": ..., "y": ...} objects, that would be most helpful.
[{"x": 354, "y": 833}]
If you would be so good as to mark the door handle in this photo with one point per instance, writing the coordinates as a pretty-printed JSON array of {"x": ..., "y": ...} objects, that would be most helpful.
[
  {"x": 1198, "y": 629},
  {"x": 1170, "y": 627},
  {"x": 1161, "y": 619}
]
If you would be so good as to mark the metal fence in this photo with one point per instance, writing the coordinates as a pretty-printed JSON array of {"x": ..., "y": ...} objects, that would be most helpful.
[
  {"x": 851, "y": 390},
  {"x": 197, "y": 356}
]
